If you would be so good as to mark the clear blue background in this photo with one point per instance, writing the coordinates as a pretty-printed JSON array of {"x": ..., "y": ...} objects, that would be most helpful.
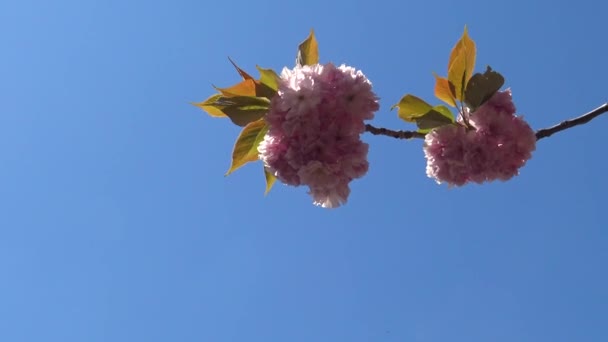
[{"x": 117, "y": 224}]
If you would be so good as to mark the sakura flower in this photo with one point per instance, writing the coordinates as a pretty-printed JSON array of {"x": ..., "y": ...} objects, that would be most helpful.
[
  {"x": 446, "y": 150},
  {"x": 315, "y": 122},
  {"x": 496, "y": 146}
]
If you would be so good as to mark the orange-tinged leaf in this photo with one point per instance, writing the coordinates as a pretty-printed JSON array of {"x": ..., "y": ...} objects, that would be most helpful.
[
  {"x": 251, "y": 86},
  {"x": 270, "y": 179},
  {"x": 443, "y": 90},
  {"x": 208, "y": 107},
  {"x": 461, "y": 64},
  {"x": 241, "y": 72},
  {"x": 308, "y": 51},
  {"x": 411, "y": 107},
  {"x": 246, "y": 146},
  {"x": 245, "y": 88}
]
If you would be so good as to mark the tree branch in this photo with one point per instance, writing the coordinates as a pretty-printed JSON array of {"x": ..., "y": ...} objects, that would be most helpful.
[
  {"x": 395, "y": 134},
  {"x": 541, "y": 133},
  {"x": 583, "y": 119}
]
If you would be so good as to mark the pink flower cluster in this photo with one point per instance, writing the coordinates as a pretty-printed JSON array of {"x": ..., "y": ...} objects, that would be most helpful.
[
  {"x": 497, "y": 146},
  {"x": 315, "y": 122}
]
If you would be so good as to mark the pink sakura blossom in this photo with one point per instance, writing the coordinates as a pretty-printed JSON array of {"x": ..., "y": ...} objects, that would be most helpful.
[
  {"x": 496, "y": 147},
  {"x": 315, "y": 122}
]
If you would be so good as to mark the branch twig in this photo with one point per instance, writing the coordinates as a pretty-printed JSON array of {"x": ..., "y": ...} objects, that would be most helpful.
[
  {"x": 541, "y": 133},
  {"x": 583, "y": 119},
  {"x": 395, "y": 134}
]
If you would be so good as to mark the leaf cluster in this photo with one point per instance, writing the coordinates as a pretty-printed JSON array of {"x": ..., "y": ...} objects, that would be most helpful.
[{"x": 247, "y": 102}]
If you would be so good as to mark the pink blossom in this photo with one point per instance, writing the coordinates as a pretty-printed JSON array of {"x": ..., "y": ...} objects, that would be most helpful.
[
  {"x": 315, "y": 122},
  {"x": 496, "y": 146}
]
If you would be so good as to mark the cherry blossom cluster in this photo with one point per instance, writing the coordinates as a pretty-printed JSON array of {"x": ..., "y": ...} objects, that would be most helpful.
[
  {"x": 315, "y": 122},
  {"x": 492, "y": 143}
]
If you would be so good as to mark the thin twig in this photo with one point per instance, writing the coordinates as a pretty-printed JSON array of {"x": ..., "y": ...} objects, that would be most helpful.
[
  {"x": 395, "y": 134},
  {"x": 541, "y": 133},
  {"x": 583, "y": 119}
]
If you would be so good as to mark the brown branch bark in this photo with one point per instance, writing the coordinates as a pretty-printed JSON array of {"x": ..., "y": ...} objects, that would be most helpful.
[{"x": 541, "y": 133}]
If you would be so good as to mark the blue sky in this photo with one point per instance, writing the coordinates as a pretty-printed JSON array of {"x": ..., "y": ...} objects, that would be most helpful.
[{"x": 117, "y": 224}]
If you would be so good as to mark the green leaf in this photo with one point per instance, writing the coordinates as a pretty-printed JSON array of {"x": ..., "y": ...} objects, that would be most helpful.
[
  {"x": 241, "y": 109},
  {"x": 270, "y": 179},
  {"x": 411, "y": 107},
  {"x": 445, "y": 111},
  {"x": 435, "y": 117},
  {"x": 269, "y": 78},
  {"x": 482, "y": 87},
  {"x": 444, "y": 90},
  {"x": 246, "y": 146},
  {"x": 208, "y": 106},
  {"x": 308, "y": 51},
  {"x": 262, "y": 90},
  {"x": 461, "y": 64}
]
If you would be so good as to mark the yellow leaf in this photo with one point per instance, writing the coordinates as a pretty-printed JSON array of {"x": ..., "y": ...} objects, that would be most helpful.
[
  {"x": 211, "y": 109},
  {"x": 245, "y": 88},
  {"x": 456, "y": 77},
  {"x": 308, "y": 51},
  {"x": 270, "y": 179},
  {"x": 246, "y": 146},
  {"x": 443, "y": 90},
  {"x": 461, "y": 64},
  {"x": 269, "y": 78},
  {"x": 411, "y": 107}
]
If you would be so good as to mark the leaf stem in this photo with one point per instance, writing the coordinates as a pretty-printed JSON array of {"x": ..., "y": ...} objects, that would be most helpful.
[
  {"x": 540, "y": 134},
  {"x": 465, "y": 119}
]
